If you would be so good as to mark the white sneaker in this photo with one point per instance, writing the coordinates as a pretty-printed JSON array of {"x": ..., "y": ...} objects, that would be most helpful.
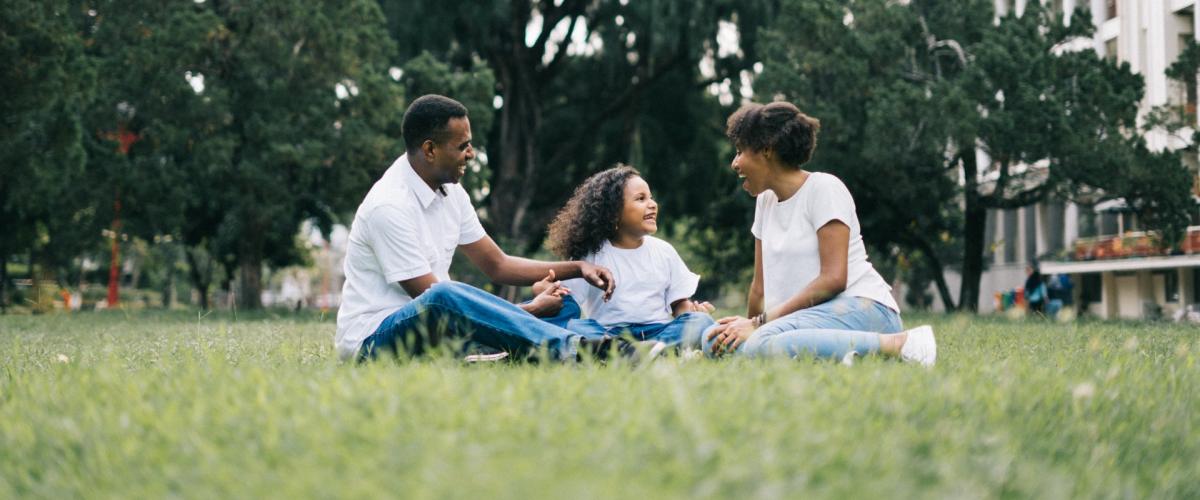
[
  {"x": 647, "y": 351},
  {"x": 849, "y": 358},
  {"x": 690, "y": 354},
  {"x": 486, "y": 357},
  {"x": 920, "y": 347}
]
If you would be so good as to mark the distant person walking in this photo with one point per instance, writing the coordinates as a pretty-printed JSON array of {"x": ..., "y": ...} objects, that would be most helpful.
[
  {"x": 813, "y": 292},
  {"x": 1035, "y": 289}
]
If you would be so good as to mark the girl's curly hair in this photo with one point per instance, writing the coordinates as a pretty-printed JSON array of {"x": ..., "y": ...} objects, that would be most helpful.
[{"x": 590, "y": 216}]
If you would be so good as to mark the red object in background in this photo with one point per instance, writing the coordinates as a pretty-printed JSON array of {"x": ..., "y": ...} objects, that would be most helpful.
[
  {"x": 125, "y": 140},
  {"x": 114, "y": 267}
]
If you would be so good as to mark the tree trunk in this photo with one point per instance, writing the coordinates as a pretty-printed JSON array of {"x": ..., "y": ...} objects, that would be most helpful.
[
  {"x": 201, "y": 279},
  {"x": 974, "y": 226},
  {"x": 939, "y": 273},
  {"x": 516, "y": 155},
  {"x": 168, "y": 294},
  {"x": 4, "y": 284},
  {"x": 250, "y": 265}
]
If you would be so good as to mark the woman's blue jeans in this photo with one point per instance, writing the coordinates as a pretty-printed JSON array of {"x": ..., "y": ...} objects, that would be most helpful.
[
  {"x": 828, "y": 330},
  {"x": 452, "y": 310}
]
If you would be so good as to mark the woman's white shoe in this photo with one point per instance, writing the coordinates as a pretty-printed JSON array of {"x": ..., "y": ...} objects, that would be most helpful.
[{"x": 920, "y": 346}]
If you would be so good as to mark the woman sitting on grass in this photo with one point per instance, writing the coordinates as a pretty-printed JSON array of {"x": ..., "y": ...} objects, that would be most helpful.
[
  {"x": 609, "y": 221},
  {"x": 814, "y": 292}
]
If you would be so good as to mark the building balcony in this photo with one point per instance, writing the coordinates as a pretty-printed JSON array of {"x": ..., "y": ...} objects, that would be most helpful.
[{"x": 1134, "y": 244}]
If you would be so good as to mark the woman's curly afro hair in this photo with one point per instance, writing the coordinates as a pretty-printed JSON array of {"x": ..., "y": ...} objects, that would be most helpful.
[{"x": 590, "y": 216}]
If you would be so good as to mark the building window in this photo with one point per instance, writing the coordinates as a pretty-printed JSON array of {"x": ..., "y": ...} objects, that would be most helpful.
[
  {"x": 1110, "y": 49},
  {"x": 1031, "y": 251},
  {"x": 1110, "y": 9},
  {"x": 1087, "y": 222},
  {"x": 1196, "y": 284},
  {"x": 1010, "y": 236},
  {"x": 1090, "y": 288},
  {"x": 1108, "y": 223},
  {"x": 1189, "y": 85},
  {"x": 1055, "y": 214},
  {"x": 1170, "y": 285}
]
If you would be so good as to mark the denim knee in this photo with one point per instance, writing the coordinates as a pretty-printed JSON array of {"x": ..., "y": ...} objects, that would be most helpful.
[{"x": 446, "y": 293}]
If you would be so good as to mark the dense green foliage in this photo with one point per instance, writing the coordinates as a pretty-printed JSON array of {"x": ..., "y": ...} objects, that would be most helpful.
[
  {"x": 106, "y": 405},
  {"x": 908, "y": 93},
  {"x": 245, "y": 119},
  {"x": 46, "y": 80}
]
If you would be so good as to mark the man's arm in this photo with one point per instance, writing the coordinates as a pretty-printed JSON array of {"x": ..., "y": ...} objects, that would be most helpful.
[
  {"x": 416, "y": 286},
  {"x": 508, "y": 270},
  {"x": 547, "y": 303}
]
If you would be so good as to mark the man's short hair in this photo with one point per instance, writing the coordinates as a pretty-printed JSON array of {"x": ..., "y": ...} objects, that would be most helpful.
[
  {"x": 779, "y": 126},
  {"x": 427, "y": 119}
]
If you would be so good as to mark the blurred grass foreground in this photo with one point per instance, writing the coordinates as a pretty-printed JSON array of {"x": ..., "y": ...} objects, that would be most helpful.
[{"x": 177, "y": 405}]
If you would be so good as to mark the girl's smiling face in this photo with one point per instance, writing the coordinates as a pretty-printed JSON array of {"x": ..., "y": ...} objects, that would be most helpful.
[{"x": 639, "y": 215}]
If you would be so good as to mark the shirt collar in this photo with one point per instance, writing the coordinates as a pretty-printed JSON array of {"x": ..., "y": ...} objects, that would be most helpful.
[{"x": 425, "y": 195}]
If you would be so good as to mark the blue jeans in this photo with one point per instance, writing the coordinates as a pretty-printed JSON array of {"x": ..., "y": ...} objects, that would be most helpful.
[
  {"x": 684, "y": 329},
  {"x": 828, "y": 330},
  {"x": 463, "y": 312}
]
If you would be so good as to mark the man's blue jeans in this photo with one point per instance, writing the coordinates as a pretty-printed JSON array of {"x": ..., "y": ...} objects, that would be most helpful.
[
  {"x": 452, "y": 310},
  {"x": 828, "y": 330}
]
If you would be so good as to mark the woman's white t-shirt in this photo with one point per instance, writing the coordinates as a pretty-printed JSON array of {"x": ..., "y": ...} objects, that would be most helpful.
[
  {"x": 788, "y": 231},
  {"x": 649, "y": 279}
]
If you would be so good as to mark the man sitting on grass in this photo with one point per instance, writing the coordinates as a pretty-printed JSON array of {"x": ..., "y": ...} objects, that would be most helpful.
[{"x": 398, "y": 294}]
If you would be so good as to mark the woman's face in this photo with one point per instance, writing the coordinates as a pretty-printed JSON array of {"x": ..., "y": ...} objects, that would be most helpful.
[
  {"x": 639, "y": 217},
  {"x": 752, "y": 167}
]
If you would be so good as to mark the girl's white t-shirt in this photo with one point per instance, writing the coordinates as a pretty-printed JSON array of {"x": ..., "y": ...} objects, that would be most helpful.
[
  {"x": 788, "y": 231},
  {"x": 649, "y": 279}
]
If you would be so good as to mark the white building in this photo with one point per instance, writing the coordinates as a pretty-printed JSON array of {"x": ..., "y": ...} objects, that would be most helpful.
[{"x": 1102, "y": 247}]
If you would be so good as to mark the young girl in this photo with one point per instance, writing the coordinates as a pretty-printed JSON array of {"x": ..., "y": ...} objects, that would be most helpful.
[{"x": 609, "y": 222}]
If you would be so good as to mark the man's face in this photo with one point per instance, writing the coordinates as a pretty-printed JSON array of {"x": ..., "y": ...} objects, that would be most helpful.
[{"x": 450, "y": 156}]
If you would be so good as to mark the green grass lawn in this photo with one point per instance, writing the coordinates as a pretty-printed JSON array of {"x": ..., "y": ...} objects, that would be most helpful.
[{"x": 157, "y": 405}]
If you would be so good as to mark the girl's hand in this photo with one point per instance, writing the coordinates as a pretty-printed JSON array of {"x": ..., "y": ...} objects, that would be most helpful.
[
  {"x": 545, "y": 283},
  {"x": 731, "y": 332},
  {"x": 702, "y": 307},
  {"x": 548, "y": 301}
]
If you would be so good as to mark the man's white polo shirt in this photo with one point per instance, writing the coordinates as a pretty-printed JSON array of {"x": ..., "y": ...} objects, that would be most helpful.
[{"x": 402, "y": 229}]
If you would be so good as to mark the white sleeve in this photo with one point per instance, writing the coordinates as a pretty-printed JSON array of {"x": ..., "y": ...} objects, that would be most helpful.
[
  {"x": 757, "y": 228},
  {"x": 469, "y": 228},
  {"x": 395, "y": 237},
  {"x": 583, "y": 292},
  {"x": 683, "y": 282},
  {"x": 832, "y": 201}
]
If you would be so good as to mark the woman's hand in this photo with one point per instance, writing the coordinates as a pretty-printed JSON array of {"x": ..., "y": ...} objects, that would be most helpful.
[{"x": 731, "y": 332}]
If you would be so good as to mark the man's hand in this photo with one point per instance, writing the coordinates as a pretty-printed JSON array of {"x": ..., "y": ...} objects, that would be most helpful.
[
  {"x": 731, "y": 332},
  {"x": 684, "y": 306},
  {"x": 599, "y": 277},
  {"x": 548, "y": 301}
]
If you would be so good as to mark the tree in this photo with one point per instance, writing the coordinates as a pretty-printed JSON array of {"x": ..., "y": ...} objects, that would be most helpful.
[
  {"x": 253, "y": 118},
  {"x": 577, "y": 83},
  {"x": 1056, "y": 124},
  {"x": 46, "y": 79},
  {"x": 909, "y": 92},
  {"x": 869, "y": 72}
]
